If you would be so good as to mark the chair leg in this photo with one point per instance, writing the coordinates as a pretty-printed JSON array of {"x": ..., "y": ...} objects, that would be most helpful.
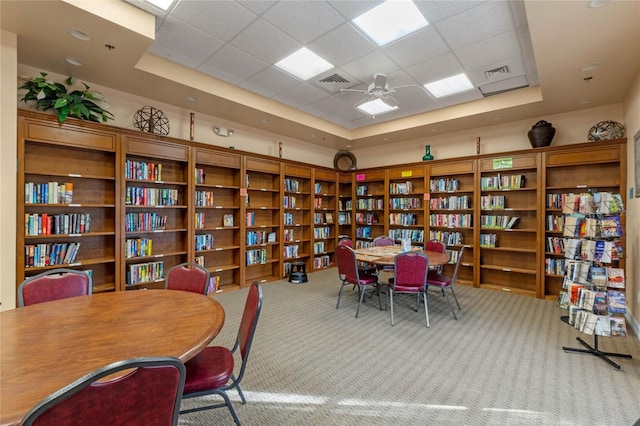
[
  {"x": 340, "y": 295},
  {"x": 450, "y": 305},
  {"x": 426, "y": 307},
  {"x": 391, "y": 304},
  {"x": 242, "y": 398},
  {"x": 361, "y": 291},
  {"x": 455, "y": 298},
  {"x": 236, "y": 420}
]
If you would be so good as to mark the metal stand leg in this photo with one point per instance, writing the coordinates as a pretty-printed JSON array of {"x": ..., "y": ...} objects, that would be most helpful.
[{"x": 595, "y": 351}]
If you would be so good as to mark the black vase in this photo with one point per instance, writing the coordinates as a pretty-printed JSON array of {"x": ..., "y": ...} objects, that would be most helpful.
[{"x": 541, "y": 134}]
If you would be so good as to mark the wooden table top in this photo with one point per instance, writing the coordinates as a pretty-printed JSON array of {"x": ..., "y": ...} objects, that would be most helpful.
[
  {"x": 49, "y": 345},
  {"x": 384, "y": 255}
]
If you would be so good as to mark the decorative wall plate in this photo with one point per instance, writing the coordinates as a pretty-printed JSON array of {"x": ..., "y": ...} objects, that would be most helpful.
[
  {"x": 606, "y": 130},
  {"x": 344, "y": 161}
]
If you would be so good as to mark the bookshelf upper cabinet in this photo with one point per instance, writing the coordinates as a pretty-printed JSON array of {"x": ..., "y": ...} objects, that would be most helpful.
[
  {"x": 450, "y": 205},
  {"x": 263, "y": 217},
  {"x": 157, "y": 204},
  {"x": 217, "y": 181},
  {"x": 509, "y": 227},
  {"x": 68, "y": 201}
]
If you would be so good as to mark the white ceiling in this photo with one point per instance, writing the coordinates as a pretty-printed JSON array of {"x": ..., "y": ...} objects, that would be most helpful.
[{"x": 222, "y": 52}]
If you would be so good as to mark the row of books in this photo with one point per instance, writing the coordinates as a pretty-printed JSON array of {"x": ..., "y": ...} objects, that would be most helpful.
[
  {"x": 260, "y": 237},
  {"x": 451, "y": 220},
  {"x": 362, "y": 190},
  {"x": 204, "y": 241},
  {"x": 289, "y": 202},
  {"x": 345, "y": 204},
  {"x": 289, "y": 235},
  {"x": 444, "y": 185},
  {"x": 554, "y": 223},
  {"x": 289, "y": 218},
  {"x": 453, "y": 256},
  {"x": 498, "y": 222},
  {"x": 451, "y": 203},
  {"x": 492, "y": 202},
  {"x": 579, "y": 273},
  {"x": 344, "y": 218},
  {"x": 137, "y": 196},
  {"x": 319, "y": 218},
  {"x": 46, "y": 224},
  {"x": 403, "y": 219},
  {"x": 290, "y": 251},
  {"x": 579, "y": 225},
  {"x": 291, "y": 185},
  {"x": 48, "y": 193},
  {"x": 363, "y": 232},
  {"x": 598, "y": 202},
  {"x": 200, "y": 176},
  {"x": 204, "y": 199},
  {"x": 321, "y": 262},
  {"x": 136, "y": 247},
  {"x": 415, "y": 235},
  {"x": 488, "y": 240},
  {"x": 317, "y": 188},
  {"x": 502, "y": 182},
  {"x": 447, "y": 237},
  {"x": 405, "y": 203},
  {"x": 366, "y": 218},
  {"x": 601, "y": 251},
  {"x": 135, "y": 222},
  {"x": 401, "y": 187},
  {"x": 369, "y": 204},
  {"x": 214, "y": 284},
  {"x": 599, "y": 325},
  {"x": 322, "y": 232},
  {"x": 142, "y": 170},
  {"x": 555, "y": 266},
  {"x": 145, "y": 272},
  {"x": 317, "y": 203},
  {"x": 41, "y": 255},
  {"x": 256, "y": 257}
]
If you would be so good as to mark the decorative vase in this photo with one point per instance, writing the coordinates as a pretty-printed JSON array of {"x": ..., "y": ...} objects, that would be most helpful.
[
  {"x": 427, "y": 155},
  {"x": 541, "y": 134}
]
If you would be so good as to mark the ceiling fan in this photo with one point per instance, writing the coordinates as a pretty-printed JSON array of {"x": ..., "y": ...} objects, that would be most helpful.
[{"x": 379, "y": 89}]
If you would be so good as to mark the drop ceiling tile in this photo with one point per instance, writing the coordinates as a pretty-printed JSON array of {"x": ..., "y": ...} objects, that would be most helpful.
[
  {"x": 489, "y": 51},
  {"x": 265, "y": 42},
  {"x": 435, "y": 69},
  {"x": 460, "y": 98},
  {"x": 342, "y": 45},
  {"x": 372, "y": 63},
  {"x": 436, "y": 11},
  {"x": 304, "y": 21},
  {"x": 352, "y": 9},
  {"x": 186, "y": 40},
  {"x": 420, "y": 46},
  {"x": 325, "y": 106},
  {"x": 513, "y": 83},
  {"x": 257, "y": 6},
  {"x": 301, "y": 94},
  {"x": 235, "y": 62},
  {"x": 223, "y": 19},
  {"x": 483, "y": 21},
  {"x": 274, "y": 80},
  {"x": 219, "y": 74}
]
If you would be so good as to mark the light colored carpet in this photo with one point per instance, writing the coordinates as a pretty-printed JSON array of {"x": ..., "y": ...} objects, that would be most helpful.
[{"x": 500, "y": 363}]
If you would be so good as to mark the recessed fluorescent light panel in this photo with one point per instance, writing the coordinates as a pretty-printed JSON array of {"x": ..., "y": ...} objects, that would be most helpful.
[
  {"x": 304, "y": 64},
  {"x": 391, "y": 20},
  {"x": 376, "y": 107},
  {"x": 162, "y": 4},
  {"x": 449, "y": 86}
]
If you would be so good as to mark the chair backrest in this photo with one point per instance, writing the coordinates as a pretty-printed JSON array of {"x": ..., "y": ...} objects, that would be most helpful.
[
  {"x": 346, "y": 242},
  {"x": 248, "y": 324},
  {"x": 457, "y": 267},
  {"x": 53, "y": 285},
  {"x": 148, "y": 395},
  {"x": 188, "y": 276},
  {"x": 383, "y": 240},
  {"x": 347, "y": 264},
  {"x": 435, "y": 245},
  {"x": 410, "y": 270}
]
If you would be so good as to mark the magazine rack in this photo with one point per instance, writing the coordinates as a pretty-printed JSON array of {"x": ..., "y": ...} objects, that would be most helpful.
[{"x": 593, "y": 295}]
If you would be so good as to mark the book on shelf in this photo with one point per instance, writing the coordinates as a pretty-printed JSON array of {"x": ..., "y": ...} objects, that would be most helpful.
[
  {"x": 271, "y": 237},
  {"x": 227, "y": 219},
  {"x": 615, "y": 277}
]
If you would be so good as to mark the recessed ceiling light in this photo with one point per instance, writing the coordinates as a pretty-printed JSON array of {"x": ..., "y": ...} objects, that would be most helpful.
[
  {"x": 304, "y": 64},
  {"x": 594, "y": 4},
  {"x": 74, "y": 61},
  {"x": 192, "y": 98},
  {"x": 80, "y": 35},
  {"x": 449, "y": 86},
  {"x": 162, "y": 4},
  {"x": 376, "y": 107},
  {"x": 391, "y": 20},
  {"x": 590, "y": 67}
]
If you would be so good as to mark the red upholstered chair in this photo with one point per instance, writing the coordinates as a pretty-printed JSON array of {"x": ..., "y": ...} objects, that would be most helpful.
[
  {"x": 188, "y": 277},
  {"x": 53, "y": 285},
  {"x": 212, "y": 370},
  {"x": 410, "y": 278},
  {"x": 147, "y": 395},
  {"x": 362, "y": 267},
  {"x": 438, "y": 246},
  {"x": 348, "y": 272},
  {"x": 446, "y": 282},
  {"x": 381, "y": 241}
]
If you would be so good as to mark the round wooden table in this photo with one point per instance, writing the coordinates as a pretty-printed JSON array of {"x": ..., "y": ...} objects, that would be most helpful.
[
  {"x": 385, "y": 255},
  {"x": 49, "y": 345}
]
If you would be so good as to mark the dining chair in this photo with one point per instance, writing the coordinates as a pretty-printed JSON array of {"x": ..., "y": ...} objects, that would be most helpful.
[
  {"x": 188, "y": 276},
  {"x": 148, "y": 394},
  {"x": 53, "y": 285},
  {"x": 437, "y": 246},
  {"x": 211, "y": 372},
  {"x": 382, "y": 241},
  {"x": 410, "y": 278},
  {"x": 364, "y": 268},
  {"x": 445, "y": 282},
  {"x": 348, "y": 272}
]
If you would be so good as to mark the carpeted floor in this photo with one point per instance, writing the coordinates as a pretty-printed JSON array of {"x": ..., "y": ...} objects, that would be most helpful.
[{"x": 500, "y": 363}]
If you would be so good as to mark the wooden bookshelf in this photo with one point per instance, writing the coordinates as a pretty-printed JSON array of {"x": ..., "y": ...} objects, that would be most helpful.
[
  {"x": 406, "y": 204},
  {"x": 370, "y": 207},
  {"x": 297, "y": 217},
  {"x": 346, "y": 197},
  {"x": 325, "y": 217},
  {"x": 220, "y": 174}
]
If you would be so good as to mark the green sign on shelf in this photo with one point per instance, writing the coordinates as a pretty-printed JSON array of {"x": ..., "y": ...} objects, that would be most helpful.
[{"x": 502, "y": 163}]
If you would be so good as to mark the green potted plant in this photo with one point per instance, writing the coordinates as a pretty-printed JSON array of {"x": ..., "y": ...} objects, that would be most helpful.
[{"x": 83, "y": 104}]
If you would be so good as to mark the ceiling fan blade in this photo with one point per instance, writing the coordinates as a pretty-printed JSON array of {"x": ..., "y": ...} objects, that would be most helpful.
[
  {"x": 380, "y": 81},
  {"x": 400, "y": 87},
  {"x": 354, "y": 90},
  {"x": 390, "y": 100}
]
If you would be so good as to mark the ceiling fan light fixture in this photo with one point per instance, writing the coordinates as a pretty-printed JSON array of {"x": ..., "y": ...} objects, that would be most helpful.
[
  {"x": 390, "y": 21},
  {"x": 449, "y": 86},
  {"x": 376, "y": 107}
]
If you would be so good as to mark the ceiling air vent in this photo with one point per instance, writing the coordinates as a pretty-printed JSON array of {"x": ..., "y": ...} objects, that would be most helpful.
[
  {"x": 497, "y": 72},
  {"x": 333, "y": 83},
  {"x": 335, "y": 78}
]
